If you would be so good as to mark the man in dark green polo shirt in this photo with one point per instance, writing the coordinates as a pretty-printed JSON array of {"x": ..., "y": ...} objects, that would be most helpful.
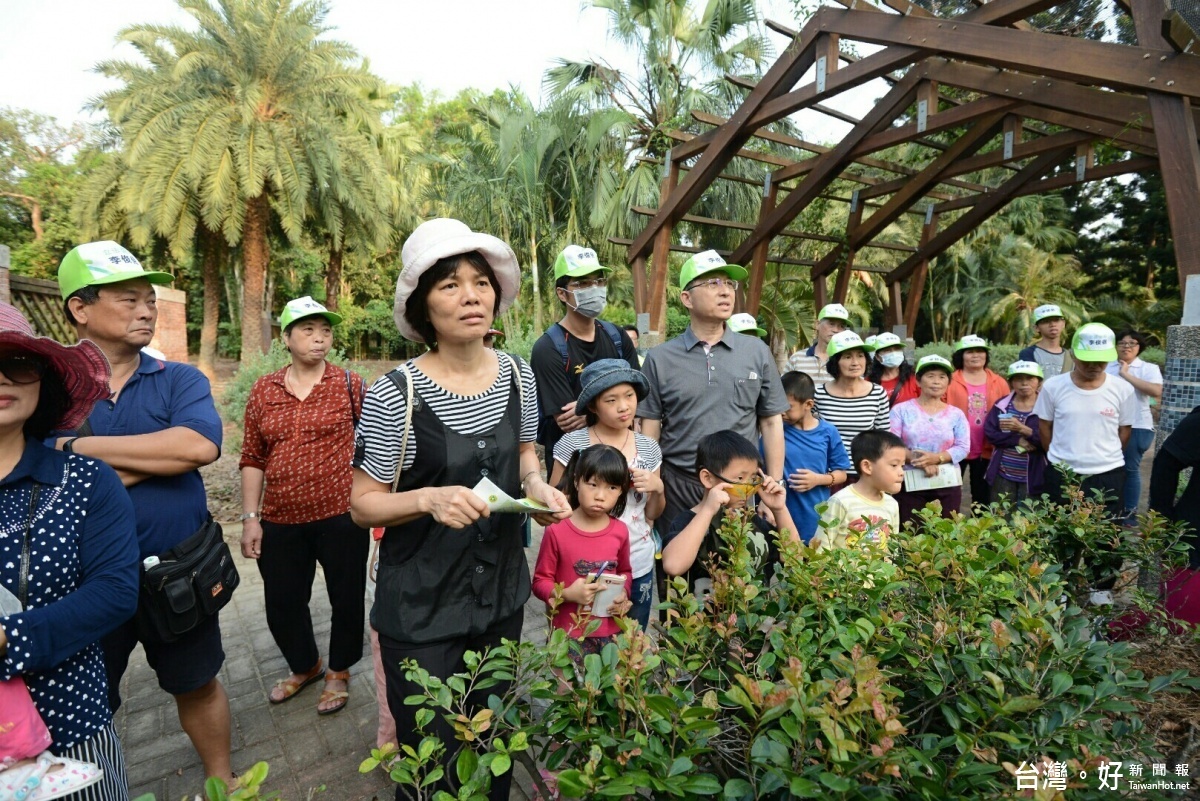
[{"x": 709, "y": 379}]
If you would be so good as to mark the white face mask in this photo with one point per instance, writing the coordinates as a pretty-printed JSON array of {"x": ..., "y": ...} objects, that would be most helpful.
[
  {"x": 894, "y": 359},
  {"x": 590, "y": 302}
]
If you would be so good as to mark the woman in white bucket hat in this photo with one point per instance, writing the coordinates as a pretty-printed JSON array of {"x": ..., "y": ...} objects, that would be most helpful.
[{"x": 452, "y": 575}]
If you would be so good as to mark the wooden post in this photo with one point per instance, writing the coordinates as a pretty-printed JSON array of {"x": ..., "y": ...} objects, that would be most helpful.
[
  {"x": 895, "y": 309},
  {"x": 841, "y": 287},
  {"x": 1175, "y": 131},
  {"x": 640, "y": 290},
  {"x": 758, "y": 261},
  {"x": 916, "y": 284},
  {"x": 660, "y": 270}
]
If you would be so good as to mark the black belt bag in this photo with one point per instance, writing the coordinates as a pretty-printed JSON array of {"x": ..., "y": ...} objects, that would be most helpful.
[{"x": 192, "y": 582}]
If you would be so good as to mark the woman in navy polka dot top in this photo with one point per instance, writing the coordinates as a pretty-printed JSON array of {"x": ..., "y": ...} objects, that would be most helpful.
[{"x": 70, "y": 521}]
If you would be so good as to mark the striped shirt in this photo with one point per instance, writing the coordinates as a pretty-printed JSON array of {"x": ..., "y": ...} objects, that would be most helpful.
[
  {"x": 852, "y": 416},
  {"x": 806, "y": 361},
  {"x": 381, "y": 427}
]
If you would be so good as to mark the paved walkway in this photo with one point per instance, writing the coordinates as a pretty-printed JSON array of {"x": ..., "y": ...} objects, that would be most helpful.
[{"x": 305, "y": 751}]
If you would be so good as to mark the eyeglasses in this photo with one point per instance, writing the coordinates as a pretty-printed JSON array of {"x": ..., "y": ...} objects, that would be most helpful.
[
  {"x": 1124, "y": 344},
  {"x": 588, "y": 283},
  {"x": 741, "y": 490},
  {"x": 22, "y": 369},
  {"x": 715, "y": 283}
]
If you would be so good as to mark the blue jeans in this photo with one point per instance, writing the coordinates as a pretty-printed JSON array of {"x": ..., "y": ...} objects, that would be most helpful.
[
  {"x": 1140, "y": 440},
  {"x": 643, "y": 599}
]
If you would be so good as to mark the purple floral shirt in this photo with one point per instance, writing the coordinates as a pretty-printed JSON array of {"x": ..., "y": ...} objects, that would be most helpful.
[{"x": 947, "y": 430}]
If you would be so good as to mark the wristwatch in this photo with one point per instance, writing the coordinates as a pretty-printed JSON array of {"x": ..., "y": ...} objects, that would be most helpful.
[{"x": 247, "y": 515}]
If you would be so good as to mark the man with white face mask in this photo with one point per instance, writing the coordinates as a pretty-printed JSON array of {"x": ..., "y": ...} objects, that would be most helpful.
[{"x": 574, "y": 342}]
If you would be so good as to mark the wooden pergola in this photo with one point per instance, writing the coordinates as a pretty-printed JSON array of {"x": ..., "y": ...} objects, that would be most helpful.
[{"x": 1032, "y": 108}]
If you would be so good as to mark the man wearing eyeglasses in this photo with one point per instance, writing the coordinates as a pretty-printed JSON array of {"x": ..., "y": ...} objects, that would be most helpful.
[
  {"x": 832, "y": 319},
  {"x": 709, "y": 379},
  {"x": 574, "y": 342}
]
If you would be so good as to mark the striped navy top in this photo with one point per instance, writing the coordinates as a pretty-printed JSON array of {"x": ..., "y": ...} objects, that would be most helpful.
[
  {"x": 382, "y": 423},
  {"x": 852, "y": 416}
]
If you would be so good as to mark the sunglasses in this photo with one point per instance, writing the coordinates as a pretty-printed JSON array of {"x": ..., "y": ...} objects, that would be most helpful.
[
  {"x": 741, "y": 490},
  {"x": 22, "y": 369}
]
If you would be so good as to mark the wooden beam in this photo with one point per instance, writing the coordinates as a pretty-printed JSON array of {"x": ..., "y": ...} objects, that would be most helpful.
[
  {"x": 906, "y": 133},
  {"x": 986, "y": 206},
  {"x": 1175, "y": 132},
  {"x": 641, "y": 290},
  {"x": 616, "y": 240},
  {"x": 1108, "y": 64},
  {"x": 656, "y": 298},
  {"x": 1177, "y": 33},
  {"x": 728, "y": 139},
  {"x": 829, "y": 166},
  {"x": 1062, "y": 180},
  {"x": 743, "y": 226},
  {"x": 758, "y": 260},
  {"x": 994, "y": 158},
  {"x": 916, "y": 283}
]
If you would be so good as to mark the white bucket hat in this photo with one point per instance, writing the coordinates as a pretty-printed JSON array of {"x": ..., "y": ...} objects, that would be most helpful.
[{"x": 438, "y": 238}]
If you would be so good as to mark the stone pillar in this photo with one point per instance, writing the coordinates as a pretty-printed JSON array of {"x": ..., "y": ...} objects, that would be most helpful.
[
  {"x": 5, "y": 292},
  {"x": 1181, "y": 378},
  {"x": 170, "y": 334}
]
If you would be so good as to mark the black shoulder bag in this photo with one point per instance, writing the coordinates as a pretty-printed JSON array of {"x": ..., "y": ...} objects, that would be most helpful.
[{"x": 192, "y": 581}]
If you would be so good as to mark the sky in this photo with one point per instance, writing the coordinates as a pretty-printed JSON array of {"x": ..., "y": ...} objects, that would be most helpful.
[{"x": 51, "y": 46}]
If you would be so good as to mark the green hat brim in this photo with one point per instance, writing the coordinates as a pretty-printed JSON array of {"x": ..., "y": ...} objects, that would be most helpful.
[
  {"x": 333, "y": 317},
  {"x": 734, "y": 271},
  {"x": 152, "y": 276},
  {"x": 579, "y": 272},
  {"x": 1081, "y": 355}
]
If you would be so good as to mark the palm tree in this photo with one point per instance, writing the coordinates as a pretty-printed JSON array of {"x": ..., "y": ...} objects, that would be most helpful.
[{"x": 250, "y": 116}]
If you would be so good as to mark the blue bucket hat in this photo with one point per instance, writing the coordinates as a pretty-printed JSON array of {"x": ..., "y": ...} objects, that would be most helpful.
[{"x": 601, "y": 376}]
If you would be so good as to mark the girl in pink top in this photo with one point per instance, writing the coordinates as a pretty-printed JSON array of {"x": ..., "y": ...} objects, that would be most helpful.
[{"x": 589, "y": 542}]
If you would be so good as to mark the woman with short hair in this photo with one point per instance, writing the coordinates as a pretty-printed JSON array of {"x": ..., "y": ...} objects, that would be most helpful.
[
  {"x": 1147, "y": 382},
  {"x": 975, "y": 388},
  {"x": 68, "y": 552},
  {"x": 850, "y": 403},
  {"x": 452, "y": 574},
  {"x": 296, "y": 449}
]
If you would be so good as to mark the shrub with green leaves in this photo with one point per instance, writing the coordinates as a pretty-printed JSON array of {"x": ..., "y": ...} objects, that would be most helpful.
[{"x": 933, "y": 673}]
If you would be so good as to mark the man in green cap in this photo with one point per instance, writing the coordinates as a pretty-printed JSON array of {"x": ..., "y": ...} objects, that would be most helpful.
[
  {"x": 1086, "y": 416},
  {"x": 832, "y": 319},
  {"x": 710, "y": 379},
  {"x": 574, "y": 342},
  {"x": 158, "y": 428}
]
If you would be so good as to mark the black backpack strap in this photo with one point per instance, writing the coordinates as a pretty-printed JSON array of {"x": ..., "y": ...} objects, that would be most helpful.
[
  {"x": 614, "y": 334},
  {"x": 558, "y": 335}
]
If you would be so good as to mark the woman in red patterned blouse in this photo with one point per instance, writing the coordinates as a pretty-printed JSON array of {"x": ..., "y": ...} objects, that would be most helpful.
[{"x": 299, "y": 437}]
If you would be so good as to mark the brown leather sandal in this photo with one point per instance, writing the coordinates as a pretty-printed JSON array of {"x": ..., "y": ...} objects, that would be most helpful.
[
  {"x": 290, "y": 686},
  {"x": 334, "y": 695}
]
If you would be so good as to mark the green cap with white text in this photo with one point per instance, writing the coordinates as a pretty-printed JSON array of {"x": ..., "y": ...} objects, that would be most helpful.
[
  {"x": 101, "y": 263},
  {"x": 708, "y": 261},
  {"x": 1094, "y": 342},
  {"x": 300, "y": 308},
  {"x": 576, "y": 261}
]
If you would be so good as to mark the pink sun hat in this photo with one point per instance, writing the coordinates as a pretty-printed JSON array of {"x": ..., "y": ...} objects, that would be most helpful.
[{"x": 83, "y": 368}]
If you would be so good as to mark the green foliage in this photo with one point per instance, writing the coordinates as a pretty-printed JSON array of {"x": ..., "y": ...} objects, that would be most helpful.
[
  {"x": 249, "y": 787},
  {"x": 931, "y": 674}
]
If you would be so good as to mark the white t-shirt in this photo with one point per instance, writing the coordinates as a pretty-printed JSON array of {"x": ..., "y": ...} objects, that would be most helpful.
[
  {"x": 1086, "y": 422},
  {"x": 1146, "y": 372}
]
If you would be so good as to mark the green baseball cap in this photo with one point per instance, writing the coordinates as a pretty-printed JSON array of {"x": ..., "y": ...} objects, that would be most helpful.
[
  {"x": 971, "y": 342},
  {"x": 1026, "y": 368},
  {"x": 100, "y": 263},
  {"x": 744, "y": 323},
  {"x": 843, "y": 341},
  {"x": 576, "y": 261},
  {"x": 1094, "y": 342},
  {"x": 298, "y": 309},
  {"x": 933, "y": 360},
  {"x": 1047, "y": 311},
  {"x": 708, "y": 261},
  {"x": 886, "y": 340},
  {"x": 833, "y": 311}
]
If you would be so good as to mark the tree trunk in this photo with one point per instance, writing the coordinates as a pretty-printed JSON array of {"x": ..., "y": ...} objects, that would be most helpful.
[
  {"x": 211, "y": 247},
  {"x": 333, "y": 278},
  {"x": 537, "y": 290},
  {"x": 256, "y": 255},
  {"x": 35, "y": 218}
]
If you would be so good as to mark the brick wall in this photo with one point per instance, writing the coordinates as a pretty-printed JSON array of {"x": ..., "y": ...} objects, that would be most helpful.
[{"x": 170, "y": 334}]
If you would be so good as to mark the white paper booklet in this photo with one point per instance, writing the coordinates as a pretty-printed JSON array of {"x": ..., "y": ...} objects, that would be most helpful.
[
  {"x": 500, "y": 501},
  {"x": 948, "y": 475}
]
